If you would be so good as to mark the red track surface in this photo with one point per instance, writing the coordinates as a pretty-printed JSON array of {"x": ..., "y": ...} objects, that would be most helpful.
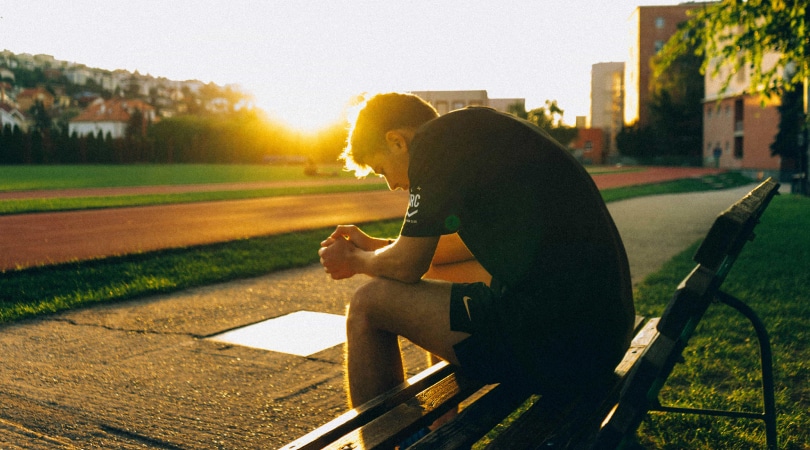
[{"x": 32, "y": 239}]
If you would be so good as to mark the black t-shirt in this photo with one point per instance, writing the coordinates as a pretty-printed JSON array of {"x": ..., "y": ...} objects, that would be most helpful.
[{"x": 525, "y": 208}]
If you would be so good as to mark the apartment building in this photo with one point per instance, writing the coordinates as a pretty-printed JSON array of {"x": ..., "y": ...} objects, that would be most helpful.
[
  {"x": 607, "y": 103},
  {"x": 738, "y": 128},
  {"x": 446, "y": 101}
]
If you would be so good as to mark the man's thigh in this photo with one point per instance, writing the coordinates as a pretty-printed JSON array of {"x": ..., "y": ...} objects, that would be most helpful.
[{"x": 420, "y": 312}]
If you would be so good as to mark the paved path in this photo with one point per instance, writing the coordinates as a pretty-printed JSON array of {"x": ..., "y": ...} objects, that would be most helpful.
[{"x": 139, "y": 374}]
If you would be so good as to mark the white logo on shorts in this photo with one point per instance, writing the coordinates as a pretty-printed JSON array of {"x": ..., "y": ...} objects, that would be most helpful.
[{"x": 467, "y": 305}]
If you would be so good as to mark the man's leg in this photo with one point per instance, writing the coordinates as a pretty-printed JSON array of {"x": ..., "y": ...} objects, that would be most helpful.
[{"x": 380, "y": 311}]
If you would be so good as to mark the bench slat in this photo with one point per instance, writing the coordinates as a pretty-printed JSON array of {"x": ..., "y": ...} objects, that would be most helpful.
[
  {"x": 354, "y": 418},
  {"x": 409, "y": 416},
  {"x": 474, "y": 421},
  {"x": 734, "y": 226}
]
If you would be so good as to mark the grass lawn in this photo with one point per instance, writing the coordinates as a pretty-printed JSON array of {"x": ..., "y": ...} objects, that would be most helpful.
[
  {"x": 21, "y": 178},
  {"x": 722, "y": 360}
]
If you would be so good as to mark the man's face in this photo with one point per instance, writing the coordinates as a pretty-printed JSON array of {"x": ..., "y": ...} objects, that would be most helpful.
[{"x": 391, "y": 163}]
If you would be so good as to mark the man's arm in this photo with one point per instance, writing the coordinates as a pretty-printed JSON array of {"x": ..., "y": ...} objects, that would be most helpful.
[{"x": 406, "y": 260}]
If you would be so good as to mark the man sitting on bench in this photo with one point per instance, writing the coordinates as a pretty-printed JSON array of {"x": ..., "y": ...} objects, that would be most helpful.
[{"x": 558, "y": 314}]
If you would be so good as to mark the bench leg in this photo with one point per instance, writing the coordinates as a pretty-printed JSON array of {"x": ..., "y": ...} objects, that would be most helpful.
[{"x": 766, "y": 363}]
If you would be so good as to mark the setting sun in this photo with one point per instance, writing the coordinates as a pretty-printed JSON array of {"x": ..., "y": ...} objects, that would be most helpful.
[{"x": 304, "y": 113}]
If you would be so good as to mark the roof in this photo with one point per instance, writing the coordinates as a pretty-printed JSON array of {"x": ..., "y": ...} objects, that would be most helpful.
[
  {"x": 34, "y": 92},
  {"x": 114, "y": 110}
]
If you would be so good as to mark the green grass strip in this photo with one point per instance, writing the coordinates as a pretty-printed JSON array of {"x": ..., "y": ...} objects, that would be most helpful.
[
  {"x": 34, "y": 177},
  {"x": 723, "y": 180},
  {"x": 48, "y": 289}
]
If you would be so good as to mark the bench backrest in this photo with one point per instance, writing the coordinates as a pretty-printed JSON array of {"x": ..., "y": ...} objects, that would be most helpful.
[{"x": 715, "y": 257}]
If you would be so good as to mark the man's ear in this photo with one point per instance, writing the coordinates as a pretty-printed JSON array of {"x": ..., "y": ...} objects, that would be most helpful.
[
  {"x": 394, "y": 139},
  {"x": 398, "y": 139}
]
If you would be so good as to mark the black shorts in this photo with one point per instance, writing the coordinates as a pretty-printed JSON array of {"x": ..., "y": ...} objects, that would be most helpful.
[
  {"x": 510, "y": 341},
  {"x": 484, "y": 355}
]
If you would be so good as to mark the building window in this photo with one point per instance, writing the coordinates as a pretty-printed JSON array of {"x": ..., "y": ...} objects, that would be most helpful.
[
  {"x": 458, "y": 104},
  {"x": 659, "y": 23},
  {"x": 588, "y": 146},
  {"x": 739, "y": 112},
  {"x": 738, "y": 147},
  {"x": 659, "y": 44}
]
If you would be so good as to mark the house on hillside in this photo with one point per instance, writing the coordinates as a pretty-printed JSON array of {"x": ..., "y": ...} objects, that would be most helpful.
[
  {"x": 29, "y": 97},
  {"x": 110, "y": 117},
  {"x": 12, "y": 117}
]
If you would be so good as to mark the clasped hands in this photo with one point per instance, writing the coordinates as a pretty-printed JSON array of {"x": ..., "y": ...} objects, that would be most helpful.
[{"x": 340, "y": 251}]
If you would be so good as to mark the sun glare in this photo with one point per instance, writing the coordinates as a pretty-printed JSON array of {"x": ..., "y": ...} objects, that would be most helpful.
[{"x": 304, "y": 114}]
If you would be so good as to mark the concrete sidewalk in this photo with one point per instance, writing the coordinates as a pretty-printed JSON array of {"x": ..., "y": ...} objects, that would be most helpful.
[{"x": 141, "y": 374}]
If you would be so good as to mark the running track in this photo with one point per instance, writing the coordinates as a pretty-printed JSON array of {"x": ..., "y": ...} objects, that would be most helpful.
[{"x": 48, "y": 238}]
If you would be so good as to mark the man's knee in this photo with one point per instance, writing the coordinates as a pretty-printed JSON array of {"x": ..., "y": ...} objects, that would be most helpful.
[{"x": 364, "y": 303}]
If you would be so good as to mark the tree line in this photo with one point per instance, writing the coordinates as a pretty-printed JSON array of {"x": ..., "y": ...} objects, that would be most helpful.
[{"x": 242, "y": 136}]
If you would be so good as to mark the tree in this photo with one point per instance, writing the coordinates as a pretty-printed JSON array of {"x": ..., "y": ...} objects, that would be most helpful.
[
  {"x": 677, "y": 105},
  {"x": 136, "y": 125},
  {"x": 789, "y": 140},
  {"x": 550, "y": 118},
  {"x": 739, "y": 34}
]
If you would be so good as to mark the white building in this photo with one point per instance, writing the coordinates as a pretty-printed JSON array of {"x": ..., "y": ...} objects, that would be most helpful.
[
  {"x": 109, "y": 117},
  {"x": 446, "y": 101},
  {"x": 12, "y": 117}
]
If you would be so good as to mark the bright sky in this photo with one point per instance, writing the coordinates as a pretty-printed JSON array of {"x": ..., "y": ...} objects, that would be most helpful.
[{"x": 304, "y": 60}]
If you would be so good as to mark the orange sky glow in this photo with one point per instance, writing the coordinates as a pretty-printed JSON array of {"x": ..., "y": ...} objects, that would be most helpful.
[{"x": 304, "y": 61}]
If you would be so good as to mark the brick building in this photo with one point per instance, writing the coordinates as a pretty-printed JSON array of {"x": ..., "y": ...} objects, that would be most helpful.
[{"x": 650, "y": 28}]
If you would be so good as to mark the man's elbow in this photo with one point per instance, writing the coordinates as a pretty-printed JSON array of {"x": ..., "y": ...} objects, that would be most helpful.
[{"x": 412, "y": 274}]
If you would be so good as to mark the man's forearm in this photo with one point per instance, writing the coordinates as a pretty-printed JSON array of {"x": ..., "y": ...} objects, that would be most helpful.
[{"x": 406, "y": 259}]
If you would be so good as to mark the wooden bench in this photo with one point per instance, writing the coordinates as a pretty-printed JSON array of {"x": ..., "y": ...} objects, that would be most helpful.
[
  {"x": 715, "y": 256},
  {"x": 603, "y": 417}
]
